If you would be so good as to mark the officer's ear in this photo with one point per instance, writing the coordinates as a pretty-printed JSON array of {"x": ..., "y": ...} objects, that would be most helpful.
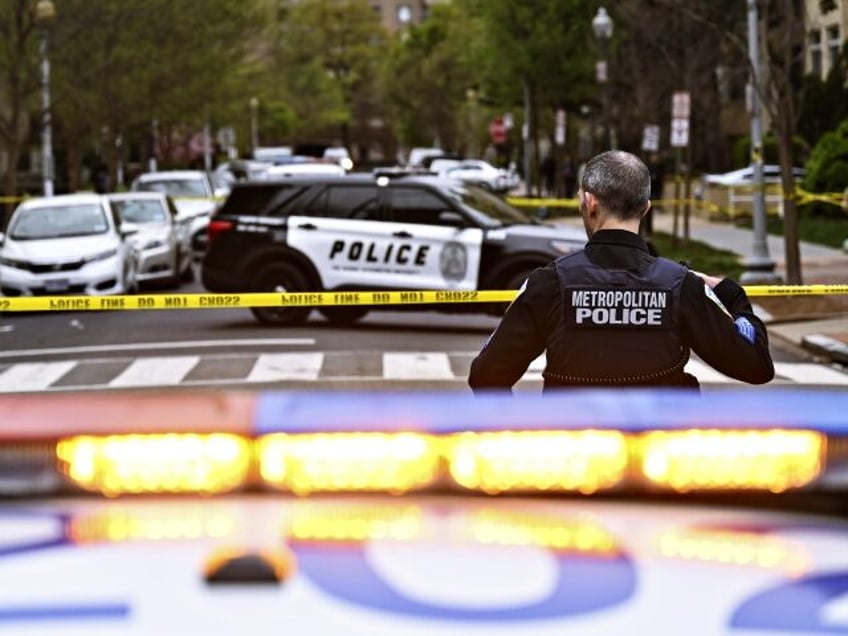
[
  {"x": 646, "y": 210},
  {"x": 590, "y": 201}
]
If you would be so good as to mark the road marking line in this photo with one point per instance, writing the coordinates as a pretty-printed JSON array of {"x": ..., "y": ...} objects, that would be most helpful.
[
  {"x": 272, "y": 367},
  {"x": 159, "y": 371},
  {"x": 417, "y": 366},
  {"x": 148, "y": 346},
  {"x": 33, "y": 376}
]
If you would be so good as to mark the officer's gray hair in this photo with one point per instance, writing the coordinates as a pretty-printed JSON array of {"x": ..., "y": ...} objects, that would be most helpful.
[{"x": 621, "y": 182}]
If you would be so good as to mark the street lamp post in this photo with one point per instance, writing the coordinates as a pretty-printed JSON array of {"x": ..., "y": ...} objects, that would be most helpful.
[
  {"x": 45, "y": 13},
  {"x": 602, "y": 26},
  {"x": 254, "y": 124},
  {"x": 760, "y": 266}
]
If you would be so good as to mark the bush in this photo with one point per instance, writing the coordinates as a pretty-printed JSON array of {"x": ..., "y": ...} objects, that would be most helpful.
[{"x": 827, "y": 170}]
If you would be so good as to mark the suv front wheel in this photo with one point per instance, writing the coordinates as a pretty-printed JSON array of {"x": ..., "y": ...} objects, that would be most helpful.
[{"x": 280, "y": 278}]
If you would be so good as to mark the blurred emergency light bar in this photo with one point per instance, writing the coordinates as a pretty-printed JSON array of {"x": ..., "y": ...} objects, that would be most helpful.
[{"x": 581, "y": 441}]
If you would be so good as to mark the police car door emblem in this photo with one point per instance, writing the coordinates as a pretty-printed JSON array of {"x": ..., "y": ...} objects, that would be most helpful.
[{"x": 453, "y": 261}]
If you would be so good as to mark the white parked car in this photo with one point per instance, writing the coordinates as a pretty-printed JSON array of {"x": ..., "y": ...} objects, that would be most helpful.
[
  {"x": 163, "y": 242},
  {"x": 192, "y": 192},
  {"x": 745, "y": 176},
  {"x": 69, "y": 244},
  {"x": 483, "y": 174}
]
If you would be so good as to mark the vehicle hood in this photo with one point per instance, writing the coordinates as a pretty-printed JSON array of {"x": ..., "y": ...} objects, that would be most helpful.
[
  {"x": 549, "y": 232},
  {"x": 151, "y": 232},
  {"x": 59, "y": 250},
  {"x": 189, "y": 208}
]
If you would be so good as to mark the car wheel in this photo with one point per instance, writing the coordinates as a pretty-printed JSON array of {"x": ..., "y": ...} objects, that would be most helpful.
[
  {"x": 280, "y": 278},
  {"x": 343, "y": 315}
]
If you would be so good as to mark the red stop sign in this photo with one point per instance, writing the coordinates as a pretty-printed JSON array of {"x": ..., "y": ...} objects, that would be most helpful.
[{"x": 497, "y": 130}]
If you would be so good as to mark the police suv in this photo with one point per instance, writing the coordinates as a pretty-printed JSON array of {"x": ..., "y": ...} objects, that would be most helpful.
[{"x": 372, "y": 232}]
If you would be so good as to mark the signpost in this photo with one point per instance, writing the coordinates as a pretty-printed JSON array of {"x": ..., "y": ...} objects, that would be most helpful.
[{"x": 680, "y": 112}]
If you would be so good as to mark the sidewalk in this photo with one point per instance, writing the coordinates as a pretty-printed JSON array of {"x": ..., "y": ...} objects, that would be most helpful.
[{"x": 823, "y": 336}]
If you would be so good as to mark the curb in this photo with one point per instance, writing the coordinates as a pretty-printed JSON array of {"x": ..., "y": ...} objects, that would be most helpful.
[{"x": 820, "y": 344}]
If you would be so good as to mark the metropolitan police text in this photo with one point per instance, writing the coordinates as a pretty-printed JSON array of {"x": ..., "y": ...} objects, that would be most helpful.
[{"x": 633, "y": 307}]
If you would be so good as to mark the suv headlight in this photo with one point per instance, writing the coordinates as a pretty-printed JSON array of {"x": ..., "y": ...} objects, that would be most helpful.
[
  {"x": 565, "y": 247},
  {"x": 102, "y": 256},
  {"x": 11, "y": 262}
]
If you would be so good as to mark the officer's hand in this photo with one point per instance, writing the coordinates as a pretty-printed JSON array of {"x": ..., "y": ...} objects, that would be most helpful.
[{"x": 711, "y": 281}]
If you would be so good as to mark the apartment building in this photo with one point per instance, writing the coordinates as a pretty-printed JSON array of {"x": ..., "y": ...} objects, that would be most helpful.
[{"x": 826, "y": 30}]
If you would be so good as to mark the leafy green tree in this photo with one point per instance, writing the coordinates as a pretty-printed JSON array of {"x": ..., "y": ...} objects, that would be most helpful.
[
  {"x": 427, "y": 76},
  {"x": 19, "y": 81},
  {"x": 327, "y": 59},
  {"x": 536, "y": 56},
  {"x": 827, "y": 168},
  {"x": 825, "y": 102},
  {"x": 121, "y": 64}
]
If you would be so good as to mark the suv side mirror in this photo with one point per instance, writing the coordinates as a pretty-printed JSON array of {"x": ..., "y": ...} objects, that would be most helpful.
[
  {"x": 128, "y": 229},
  {"x": 451, "y": 219}
]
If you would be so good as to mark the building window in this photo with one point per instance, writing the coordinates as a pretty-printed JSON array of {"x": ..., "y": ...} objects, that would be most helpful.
[
  {"x": 834, "y": 44},
  {"x": 815, "y": 48}
]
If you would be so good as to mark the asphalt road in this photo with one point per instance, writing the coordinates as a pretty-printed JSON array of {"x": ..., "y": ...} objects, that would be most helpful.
[{"x": 227, "y": 347}]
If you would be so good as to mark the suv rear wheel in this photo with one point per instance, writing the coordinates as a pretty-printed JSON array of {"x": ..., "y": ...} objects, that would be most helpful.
[
  {"x": 343, "y": 315},
  {"x": 280, "y": 278}
]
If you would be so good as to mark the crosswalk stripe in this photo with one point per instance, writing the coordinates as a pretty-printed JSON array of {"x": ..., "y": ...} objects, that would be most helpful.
[
  {"x": 33, "y": 376},
  {"x": 272, "y": 367},
  {"x": 808, "y": 373},
  {"x": 159, "y": 371},
  {"x": 417, "y": 366},
  {"x": 313, "y": 367}
]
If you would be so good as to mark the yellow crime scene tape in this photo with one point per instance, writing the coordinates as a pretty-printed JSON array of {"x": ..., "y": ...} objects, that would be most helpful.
[{"x": 321, "y": 299}]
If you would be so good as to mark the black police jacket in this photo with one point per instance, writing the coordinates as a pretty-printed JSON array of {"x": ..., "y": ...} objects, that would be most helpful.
[{"x": 614, "y": 315}]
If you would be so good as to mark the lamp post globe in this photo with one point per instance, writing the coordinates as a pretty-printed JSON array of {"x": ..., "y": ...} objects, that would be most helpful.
[{"x": 602, "y": 24}]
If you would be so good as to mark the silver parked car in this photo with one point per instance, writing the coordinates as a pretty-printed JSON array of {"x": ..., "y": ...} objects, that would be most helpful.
[
  {"x": 163, "y": 241},
  {"x": 69, "y": 244},
  {"x": 193, "y": 193}
]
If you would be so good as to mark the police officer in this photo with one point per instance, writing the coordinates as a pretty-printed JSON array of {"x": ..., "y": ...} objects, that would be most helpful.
[{"x": 613, "y": 314}]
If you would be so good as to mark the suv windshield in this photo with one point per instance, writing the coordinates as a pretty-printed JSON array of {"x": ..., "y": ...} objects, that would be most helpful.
[
  {"x": 175, "y": 187},
  {"x": 486, "y": 208}
]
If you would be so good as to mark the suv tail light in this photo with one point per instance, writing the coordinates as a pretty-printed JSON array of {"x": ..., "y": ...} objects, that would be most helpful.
[{"x": 216, "y": 228}]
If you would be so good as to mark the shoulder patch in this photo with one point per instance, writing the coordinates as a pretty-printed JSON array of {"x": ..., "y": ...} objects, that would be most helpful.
[{"x": 746, "y": 329}]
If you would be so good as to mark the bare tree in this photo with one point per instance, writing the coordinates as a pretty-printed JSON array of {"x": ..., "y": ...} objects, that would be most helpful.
[{"x": 780, "y": 28}]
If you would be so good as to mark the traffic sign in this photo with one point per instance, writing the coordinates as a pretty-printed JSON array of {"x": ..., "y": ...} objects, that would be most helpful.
[
  {"x": 680, "y": 105},
  {"x": 651, "y": 138},
  {"x": 497, "y": 131},
  {"x": 679, "y": 132}
]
